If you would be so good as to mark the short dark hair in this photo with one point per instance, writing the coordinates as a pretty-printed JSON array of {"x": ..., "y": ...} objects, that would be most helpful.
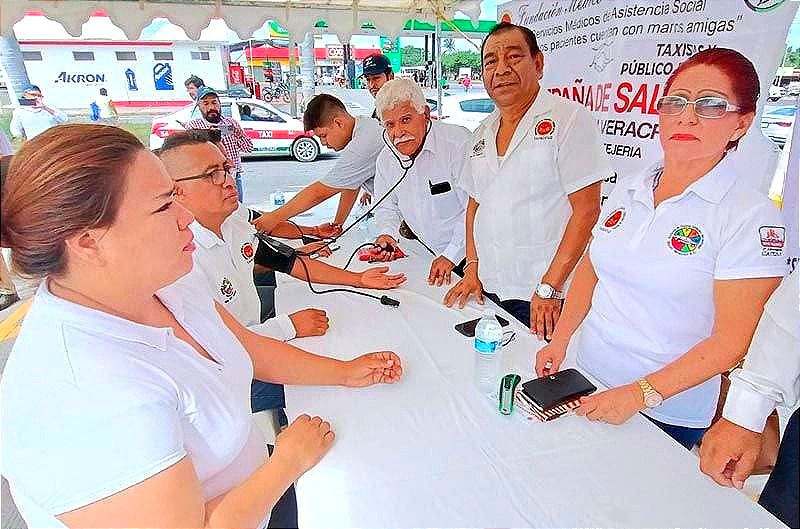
[
  {"x": 530, "y": 36},
  {"x": 103, "y": 92},
  {"x": 194, "y": 80},
  {"x": 320, "y": 110},
  {"x": 189, "y": 137}
]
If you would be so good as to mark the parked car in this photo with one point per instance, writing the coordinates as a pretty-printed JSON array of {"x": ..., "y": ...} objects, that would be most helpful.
[
  {"x": 775, "y": 92},
  {"x": 776, "y": 123},
  {"x": 467, "y": 110},
  {"x": 272, "y": 131}
]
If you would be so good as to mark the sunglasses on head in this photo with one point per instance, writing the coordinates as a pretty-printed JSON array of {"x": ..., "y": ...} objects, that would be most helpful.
[{"x": 705, "y": 107}]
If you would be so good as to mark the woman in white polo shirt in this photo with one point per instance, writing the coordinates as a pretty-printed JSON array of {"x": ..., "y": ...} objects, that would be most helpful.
[
  {"x": 126, "y": 398},
  {"x": 682, "y": 260}
]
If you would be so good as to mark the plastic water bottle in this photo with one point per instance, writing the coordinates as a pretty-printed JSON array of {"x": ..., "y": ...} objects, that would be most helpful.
[
  {"x": 279, "y": 198},
  {"x": 488, "y": 334}
]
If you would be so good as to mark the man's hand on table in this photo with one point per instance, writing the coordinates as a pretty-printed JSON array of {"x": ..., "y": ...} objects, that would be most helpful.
[
  {"x": 729, "y": 452},
  {"x": 378, "y": 279},
  {"x": 544, "y": 315},
  {"x": 469, "y": 285},
  {"x": 549, "y": 358},
  {"x": 381, "y": 243},
  {"x": 383, "y": 367},
  {"x": 441, "y": 268},
  {"x": 309, "y": 322},
  {"x": 614, "y": 406}
]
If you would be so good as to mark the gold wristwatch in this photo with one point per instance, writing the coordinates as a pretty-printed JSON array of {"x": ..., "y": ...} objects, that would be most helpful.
[{"x": 652, "y": 398}]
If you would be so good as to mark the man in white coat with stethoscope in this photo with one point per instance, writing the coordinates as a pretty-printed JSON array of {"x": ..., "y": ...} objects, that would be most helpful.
[{"x": 533, "y": 174}]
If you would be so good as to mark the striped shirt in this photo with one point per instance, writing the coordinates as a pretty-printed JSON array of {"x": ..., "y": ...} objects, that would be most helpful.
[{"x": 234, "y": 140}]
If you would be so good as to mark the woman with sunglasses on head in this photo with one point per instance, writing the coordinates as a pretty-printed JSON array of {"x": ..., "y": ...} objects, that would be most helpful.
[
  {"x": 126, "y": 398},
  {"x": 682, "y": 260}
]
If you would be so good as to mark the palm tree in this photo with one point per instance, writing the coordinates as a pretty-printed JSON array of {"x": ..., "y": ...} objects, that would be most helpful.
[{"x": 449, "y": 44}]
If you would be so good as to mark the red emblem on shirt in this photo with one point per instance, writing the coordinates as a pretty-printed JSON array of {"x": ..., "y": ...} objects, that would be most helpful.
[
  {"x": 613, "y": 220},
  {"x": 545, "y": 127},
  {"x": 247, "y": 251}
]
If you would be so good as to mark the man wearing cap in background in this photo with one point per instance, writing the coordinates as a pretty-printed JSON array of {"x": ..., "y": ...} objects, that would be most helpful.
[
  {"x": 34, "y": 116},
  {"x": 377, "y": 70},
  {"x": 360, "y": 140},
  {"x": 234, "y": 140}
]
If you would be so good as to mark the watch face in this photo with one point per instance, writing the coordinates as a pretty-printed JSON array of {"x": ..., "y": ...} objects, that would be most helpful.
[
  {"x": 652, "y": 399},
  {"x": 544, "y": 291}
]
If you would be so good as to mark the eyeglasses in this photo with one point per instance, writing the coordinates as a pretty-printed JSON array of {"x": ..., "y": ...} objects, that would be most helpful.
[
  {"x": 705, "y": 107},
  {"x": 217, "y": 176}
]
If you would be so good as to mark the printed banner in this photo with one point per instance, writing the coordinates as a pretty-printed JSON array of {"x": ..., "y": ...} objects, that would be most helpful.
[{"x": 614, "y": 56}]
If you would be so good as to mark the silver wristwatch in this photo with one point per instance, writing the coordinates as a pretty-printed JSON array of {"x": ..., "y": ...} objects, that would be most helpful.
[{"x": 545, "y": 291}]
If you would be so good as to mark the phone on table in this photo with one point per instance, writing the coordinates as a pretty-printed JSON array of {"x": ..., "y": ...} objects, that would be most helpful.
[{"x": 468, "y": 327}]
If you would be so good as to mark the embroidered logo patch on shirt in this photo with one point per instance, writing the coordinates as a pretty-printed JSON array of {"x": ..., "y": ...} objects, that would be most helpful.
[
  {"x": 478, "y": 148},
  {"x": 686, "y": 240},
  {"x": 614, "y": 220},
  {"x": 545, "y": 128},
  {"x": 773, "y": 239},
  {"x": 247, "y": 251},
  {"x": 226, "y": 289}
]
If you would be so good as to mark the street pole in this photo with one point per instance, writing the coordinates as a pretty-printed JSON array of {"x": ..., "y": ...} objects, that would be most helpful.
[
  {"x": 292, "y": 79},
  {"x": 438, "y": 44}
]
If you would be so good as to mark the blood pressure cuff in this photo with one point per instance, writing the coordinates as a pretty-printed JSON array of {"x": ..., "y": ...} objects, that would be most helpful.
[{"x": 274, "y": 254}]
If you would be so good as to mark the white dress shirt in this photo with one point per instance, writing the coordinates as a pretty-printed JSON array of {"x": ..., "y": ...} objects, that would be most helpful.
[
  {"x": 523, "y": 196},
  {"x": 770, "y": 375},
  {"x": 29, "y": 122},
  {"x": 656, "y": 268},
  {"x": 227, "y": 266},
  {"x": 438, "y": 220},
  {"x": 355, "y": 166},
  {"x": 94, "y": 404}
]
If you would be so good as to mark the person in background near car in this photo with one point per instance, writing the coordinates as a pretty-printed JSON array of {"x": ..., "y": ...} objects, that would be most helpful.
[
  {"x": 106, "y": 106},
  {"x": 770, "y": 377},
  {"x": 34, "y": 116},
  {"x": 245, "y": 113},
  {"x": 8, "y": 292},
  {"x": 539, "y": 159},
  {"x": 193, "y": 84},
  {"x": 233, "y": 137},
  {"x": 359, "y": 139}
]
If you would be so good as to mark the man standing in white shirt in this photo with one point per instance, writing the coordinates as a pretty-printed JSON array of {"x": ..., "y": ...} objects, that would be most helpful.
[
  {"x": 533, "y": 176},
  {"x": 106, "y": 106},
  {"x": 358, "y": 141},
  {"x": 423, "y": 196},
  {"x": 34, "y": 116},
  {"x": 770, "y": 377}
]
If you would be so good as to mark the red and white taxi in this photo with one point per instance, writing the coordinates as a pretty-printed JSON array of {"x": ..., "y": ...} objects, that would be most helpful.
[{"x": 273, "y": 132}]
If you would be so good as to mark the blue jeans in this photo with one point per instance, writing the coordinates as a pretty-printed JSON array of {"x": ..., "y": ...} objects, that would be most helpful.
[
  {"x": 686, "y": 437},
  {"x": 780, "y": 495}
]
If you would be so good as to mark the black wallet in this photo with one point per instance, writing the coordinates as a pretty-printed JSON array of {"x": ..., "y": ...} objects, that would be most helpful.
[{"x": 560, "y": 388}]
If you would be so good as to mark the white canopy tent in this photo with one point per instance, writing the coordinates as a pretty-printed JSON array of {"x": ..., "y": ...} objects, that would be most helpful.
[{"x": 344, "y": 17}]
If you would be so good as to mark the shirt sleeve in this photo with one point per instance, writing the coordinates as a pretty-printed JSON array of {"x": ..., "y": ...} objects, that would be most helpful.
[
  {"x": 464, "y": 179},
  {"x": 387, "y": 215},
  {"x": 280, "y": 327},
  {"x": 59, "y": 115},
  {"x": 581, "y": 160},
  {"x": 754, "y": 244},
  {"x": 456, "y": 249},
  {"x": 770, "y": 375},
  {"x": 356, "y": 164},
  {"x": 242, "y": 140},
  {"x": 15, "y": 127},
  {"x": 109, "y": 437}
]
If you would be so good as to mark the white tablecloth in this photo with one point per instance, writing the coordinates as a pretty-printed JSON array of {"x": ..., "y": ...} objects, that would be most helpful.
[{"x": 430, "y": 451}]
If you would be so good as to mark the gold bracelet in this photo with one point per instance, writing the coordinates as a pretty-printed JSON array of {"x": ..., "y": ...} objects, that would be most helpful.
[{"x": 469, "y": 262}]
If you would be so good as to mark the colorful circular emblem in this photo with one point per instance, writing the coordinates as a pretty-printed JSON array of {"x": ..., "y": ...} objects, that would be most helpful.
[
  {"x": 686, "y": 240},
  {"x": 614, "y": 219},
  {"x": 545, "y": 127},
  {"x": 763, "y": 6},
  {"x": 247, "y": 251}
]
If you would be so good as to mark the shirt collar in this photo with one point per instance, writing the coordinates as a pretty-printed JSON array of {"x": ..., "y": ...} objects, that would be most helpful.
[
  {"x": 541, "y": 105},
  {"x": 711, "y": 187},
  {"x": 102, "y": 323},
  {"x": 205, "y": 237}
]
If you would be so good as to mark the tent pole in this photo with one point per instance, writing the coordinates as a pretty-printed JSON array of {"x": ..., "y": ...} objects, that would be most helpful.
[
  {"x": 438, "y": 76},
  {"x": 292, "y": 79}
]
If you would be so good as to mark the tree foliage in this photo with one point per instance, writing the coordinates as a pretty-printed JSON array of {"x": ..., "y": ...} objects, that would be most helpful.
[
  {"x": 411, "y": 56},
  {"x": 452, "y": 61}
]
